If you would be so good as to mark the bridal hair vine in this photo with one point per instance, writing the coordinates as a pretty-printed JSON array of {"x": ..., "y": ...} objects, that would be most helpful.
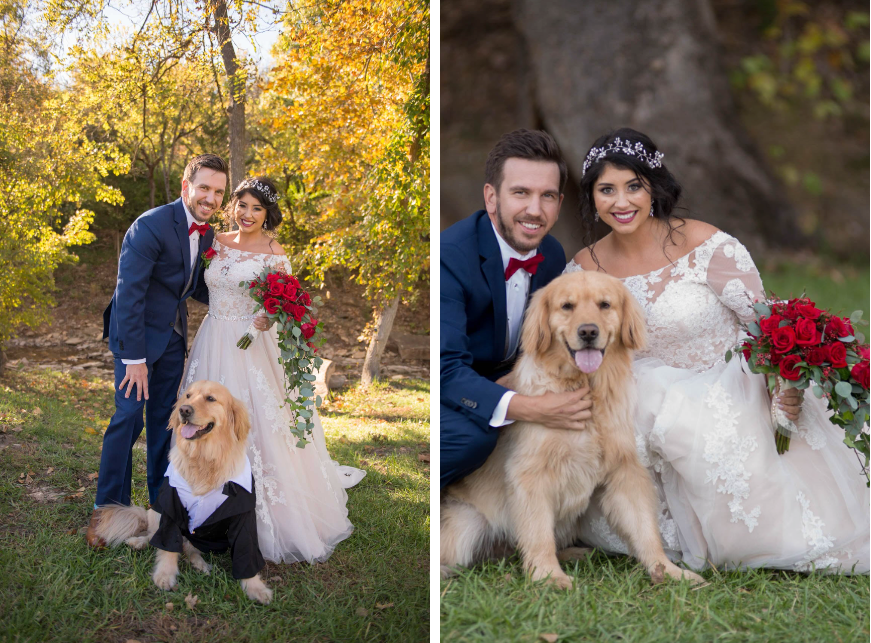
[
  {"x": 268, "y": 194},
  {"x": 619, "y": 146}
]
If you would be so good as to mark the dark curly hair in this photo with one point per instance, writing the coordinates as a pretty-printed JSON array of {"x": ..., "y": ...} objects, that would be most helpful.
[
  {"x": 663, "y": 188},
  {"x": 273, "y": 212}
]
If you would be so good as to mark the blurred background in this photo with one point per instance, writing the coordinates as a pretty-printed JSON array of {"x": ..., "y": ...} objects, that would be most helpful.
[{"x": 760, "y": 106}]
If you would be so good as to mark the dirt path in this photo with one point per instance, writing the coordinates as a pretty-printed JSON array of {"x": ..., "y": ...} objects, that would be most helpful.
[{"x": 72, "y": 340}]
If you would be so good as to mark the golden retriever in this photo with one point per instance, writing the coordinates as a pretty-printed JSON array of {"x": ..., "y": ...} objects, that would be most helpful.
[
  {"x": 211, "y": 429},
  {"x": 579, "y": 330}
]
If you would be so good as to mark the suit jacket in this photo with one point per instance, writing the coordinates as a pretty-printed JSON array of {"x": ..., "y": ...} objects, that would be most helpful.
[
  {"x": 153, "y": 269},
  {"x": 474, "y": 316},
  {"x": 233, "y": 525}
]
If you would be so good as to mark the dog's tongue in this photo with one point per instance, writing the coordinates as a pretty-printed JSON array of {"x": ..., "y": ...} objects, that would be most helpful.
[
  {"x": 189, "y": 430},
  {"x": 588, "y": 360}
]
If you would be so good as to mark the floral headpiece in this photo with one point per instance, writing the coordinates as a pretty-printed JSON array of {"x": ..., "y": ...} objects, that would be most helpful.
[
  {"x": 267, "y": 194},
  {"x": 618, "y": 146}
]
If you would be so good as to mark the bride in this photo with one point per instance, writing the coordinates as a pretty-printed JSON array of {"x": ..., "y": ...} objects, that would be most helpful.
[
  {"x": 703, "y": 426},
  {"x": 301, "y": 499}
]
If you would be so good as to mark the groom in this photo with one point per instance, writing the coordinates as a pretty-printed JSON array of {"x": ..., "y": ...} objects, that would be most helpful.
[
  {"x": 491, "y": 263},
  {"x": 146, "y": 323}
]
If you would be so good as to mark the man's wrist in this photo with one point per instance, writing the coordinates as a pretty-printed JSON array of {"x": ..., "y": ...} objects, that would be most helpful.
[
  {"x": 519, "y": 408},
  {"x": 128, "y": 362}
]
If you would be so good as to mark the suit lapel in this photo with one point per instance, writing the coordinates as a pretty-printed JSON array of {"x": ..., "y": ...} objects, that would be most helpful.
[
  {"x": 494, "y": 273},
  {"x": 181, "y": 230}
]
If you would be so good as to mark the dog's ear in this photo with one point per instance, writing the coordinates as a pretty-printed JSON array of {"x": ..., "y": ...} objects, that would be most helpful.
[
  {"x": 536, "y": 335},
  {"x": 634, "y": 330},
  {"x": 237, "y": 416}
]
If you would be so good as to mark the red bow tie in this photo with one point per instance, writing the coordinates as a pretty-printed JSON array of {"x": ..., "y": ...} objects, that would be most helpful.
[
  {"x": 202, "y": 228},
  {"x": 529, "y": 265}
]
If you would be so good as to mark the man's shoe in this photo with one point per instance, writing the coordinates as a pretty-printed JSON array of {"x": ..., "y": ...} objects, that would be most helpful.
[{"x": 94, "y": 541}]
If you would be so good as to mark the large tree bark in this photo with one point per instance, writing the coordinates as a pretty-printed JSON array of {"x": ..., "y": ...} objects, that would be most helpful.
[
  {"x": 236, "y": 94},
  {"x": 383, "y": 326},
  {"x": 581, "y": 69}
]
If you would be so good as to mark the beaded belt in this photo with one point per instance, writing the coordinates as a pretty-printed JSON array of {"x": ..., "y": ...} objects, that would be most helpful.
[{"x": 231, "y": 317}]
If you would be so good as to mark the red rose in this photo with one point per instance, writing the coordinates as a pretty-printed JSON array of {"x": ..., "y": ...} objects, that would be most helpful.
[
  {"x": 783, "y": 339},
  {"x": 304, "y": 298},
  {"x": 806, "y": 333},
  {"x": 838, "y": 355},
  {"x": 290, "y": 292},
  {"x": 271, "y": 305},
  {"x": 293, "y": 280},
  {"x": 770, "y": 324},
  {"x": 308, "y": 330},
  {"x": 860, "y": 374},
  {"x": 862, "y": 351},
  {"x": 775, "y": 358},
  {"x": 745, "y": 350},
  {"x": 788, "y": 368},
  {"x": 286, "y": 307},
  {"x": 297, "y": 311},
  {"x": 816, "y": 356},
  {"x": 253, "y": 284},
  {"x": 211, "y": 253},
  {"x": 789, "y": 312},
  {"x": 838, "y": 327},
  {"x": 276, "y": 289},
  {"x": 272, "y": 277},
  {"x": 808, "y": 311}
]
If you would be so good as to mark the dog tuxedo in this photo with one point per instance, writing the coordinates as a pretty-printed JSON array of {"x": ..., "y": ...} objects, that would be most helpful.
[{"x": 216, "y": 521}]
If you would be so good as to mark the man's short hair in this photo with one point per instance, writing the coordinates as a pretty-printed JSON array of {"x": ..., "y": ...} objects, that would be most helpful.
[
  {"x": 210, "y": 161},
  {"x": 532, "y": 145}
]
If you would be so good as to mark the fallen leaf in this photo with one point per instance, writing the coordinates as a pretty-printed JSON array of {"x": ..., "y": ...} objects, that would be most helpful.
[
  {"x": 657, "y": 576},
  {"x": 423, "y": 457},
  {"x": 344, "y": 440},
  {"x": 191, "y": 601},
  {"x": 28, "y": 480},
  {"x": 90, "y": 430},
  {"x": 17, "y": 429},
  {"x": 80, "y": 489},
  {"x": 362, "y": 611},
  {"x": 369, "y": 448},
  {"x": 275, "y": 579},
  {"x": 132, "y": 641},
  {"x": 49, "y": 470},
  {"x": 93, "y": 476},
  {"x": 364, "y": 463},
  {"x": 383, "y": 606},
  {"x": 72, "y": 532},
  {"x": 37, "y": 411},
  {"x": 550, "y": 638},
  {"x": 169, "y": 607}
]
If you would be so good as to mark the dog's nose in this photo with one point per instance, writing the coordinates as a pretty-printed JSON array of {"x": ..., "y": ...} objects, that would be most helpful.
[
  {"x": 588, "y": 332},
  {"x": 185, "y": 411}
]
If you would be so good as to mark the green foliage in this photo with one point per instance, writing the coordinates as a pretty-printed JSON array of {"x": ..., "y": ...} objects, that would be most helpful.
[{"x": 49, "y": 167}]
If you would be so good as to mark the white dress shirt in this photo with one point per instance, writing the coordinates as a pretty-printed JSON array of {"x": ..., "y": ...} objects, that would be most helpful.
[
  {"x": 516, "y": 294},
  {"x": 194, "y": 241}
]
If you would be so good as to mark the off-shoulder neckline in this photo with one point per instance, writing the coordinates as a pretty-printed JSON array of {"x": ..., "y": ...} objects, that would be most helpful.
[
  {"x": 658, "y": 270},
  {"x": 247, "y": 252}
]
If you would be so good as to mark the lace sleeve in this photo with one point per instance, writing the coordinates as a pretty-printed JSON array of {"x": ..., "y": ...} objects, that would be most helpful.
[
  {"x": 281, "y": 262},
  {"x": 733, "y": 276}
]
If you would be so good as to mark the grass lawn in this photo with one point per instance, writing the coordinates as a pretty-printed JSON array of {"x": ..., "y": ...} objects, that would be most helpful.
[
  {"x": 53, "y": 588},
  {"x": 613, "y": 600}
]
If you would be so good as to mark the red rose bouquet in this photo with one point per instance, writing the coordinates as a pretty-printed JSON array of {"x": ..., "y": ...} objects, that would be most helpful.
[
  {"x": 797, "y": 345},
  {"x": 284, "y": 301}
]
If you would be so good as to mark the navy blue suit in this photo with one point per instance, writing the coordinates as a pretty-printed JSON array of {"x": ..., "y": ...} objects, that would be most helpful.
[
  {"x": 474, "y": 327},
  {"x": 153, "y": 270}
]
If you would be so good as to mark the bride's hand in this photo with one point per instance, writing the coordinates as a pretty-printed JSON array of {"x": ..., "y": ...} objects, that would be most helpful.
[
  {"x": 790, "y": 401},
  {"x": 262, "y": 322}
]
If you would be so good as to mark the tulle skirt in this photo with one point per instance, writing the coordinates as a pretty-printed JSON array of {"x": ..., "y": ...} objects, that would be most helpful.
[
  {"x": 726, "y": 497},
  {"x": 301, "y": 498}
]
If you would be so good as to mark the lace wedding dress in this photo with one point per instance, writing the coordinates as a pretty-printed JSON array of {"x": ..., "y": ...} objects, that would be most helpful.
[
  {"x": 301, "y": 499},
  {"x": 703, "y": 428}
]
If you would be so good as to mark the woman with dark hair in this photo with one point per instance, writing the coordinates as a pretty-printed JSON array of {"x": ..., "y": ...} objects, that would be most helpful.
[
  {"x": 301, "y": 499},
  {"x": 703, "y": 426}
]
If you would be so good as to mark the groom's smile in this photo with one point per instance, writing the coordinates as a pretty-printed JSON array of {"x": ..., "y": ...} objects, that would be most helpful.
[{"x": 204, "y": 193}]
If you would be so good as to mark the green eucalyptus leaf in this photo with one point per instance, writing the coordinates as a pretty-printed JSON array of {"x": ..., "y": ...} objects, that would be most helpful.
[
  {"x": 843, "y": 389},
  {"x": 728, "y": 356},
  {"x": 856, "y": 316},
  {"x": 762, "y": 309},
  {"x": 818, "y": 391}
]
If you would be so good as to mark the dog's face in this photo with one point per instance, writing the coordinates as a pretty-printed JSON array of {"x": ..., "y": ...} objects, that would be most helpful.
[
  {"x": 207, "y": 412},
  {"x": 579, "y": 317}
]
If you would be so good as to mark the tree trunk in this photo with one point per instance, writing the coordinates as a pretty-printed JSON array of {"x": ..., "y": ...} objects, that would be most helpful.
[
  {"x": 3, "y": 361},
  {"x": 383, "y": 326},
  {"x": 581, "y": 69},
  {"x": 236, "y": 95}
]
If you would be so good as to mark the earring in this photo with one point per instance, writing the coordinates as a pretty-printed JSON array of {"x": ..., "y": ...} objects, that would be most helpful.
[
  {"x": 264, "y": 223},
  {"x": 596, "y": 216},
  {"x": 651, "y": 210}
]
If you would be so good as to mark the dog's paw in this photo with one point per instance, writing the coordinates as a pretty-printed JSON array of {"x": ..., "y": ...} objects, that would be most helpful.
[
  {"x": 675, "y": 572},
  {"x": 557, "y": 578},
  {"x": 692, "y": 577},
  {"x": 165, "y": 579},
  {"x": 256, "y": 590},
  {"x": 137, "y": 542},
  {"x": 447, "y": 571},
  {"x": 197, "y": 562}
]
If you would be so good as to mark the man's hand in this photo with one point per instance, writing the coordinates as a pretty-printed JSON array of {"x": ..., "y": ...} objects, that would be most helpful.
[
  {"x": 569, "y": 411},
  {"x": 789, "y": 401},
  {"x": 262, "y": 322},
  {"x": 136, "y": 375}
]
